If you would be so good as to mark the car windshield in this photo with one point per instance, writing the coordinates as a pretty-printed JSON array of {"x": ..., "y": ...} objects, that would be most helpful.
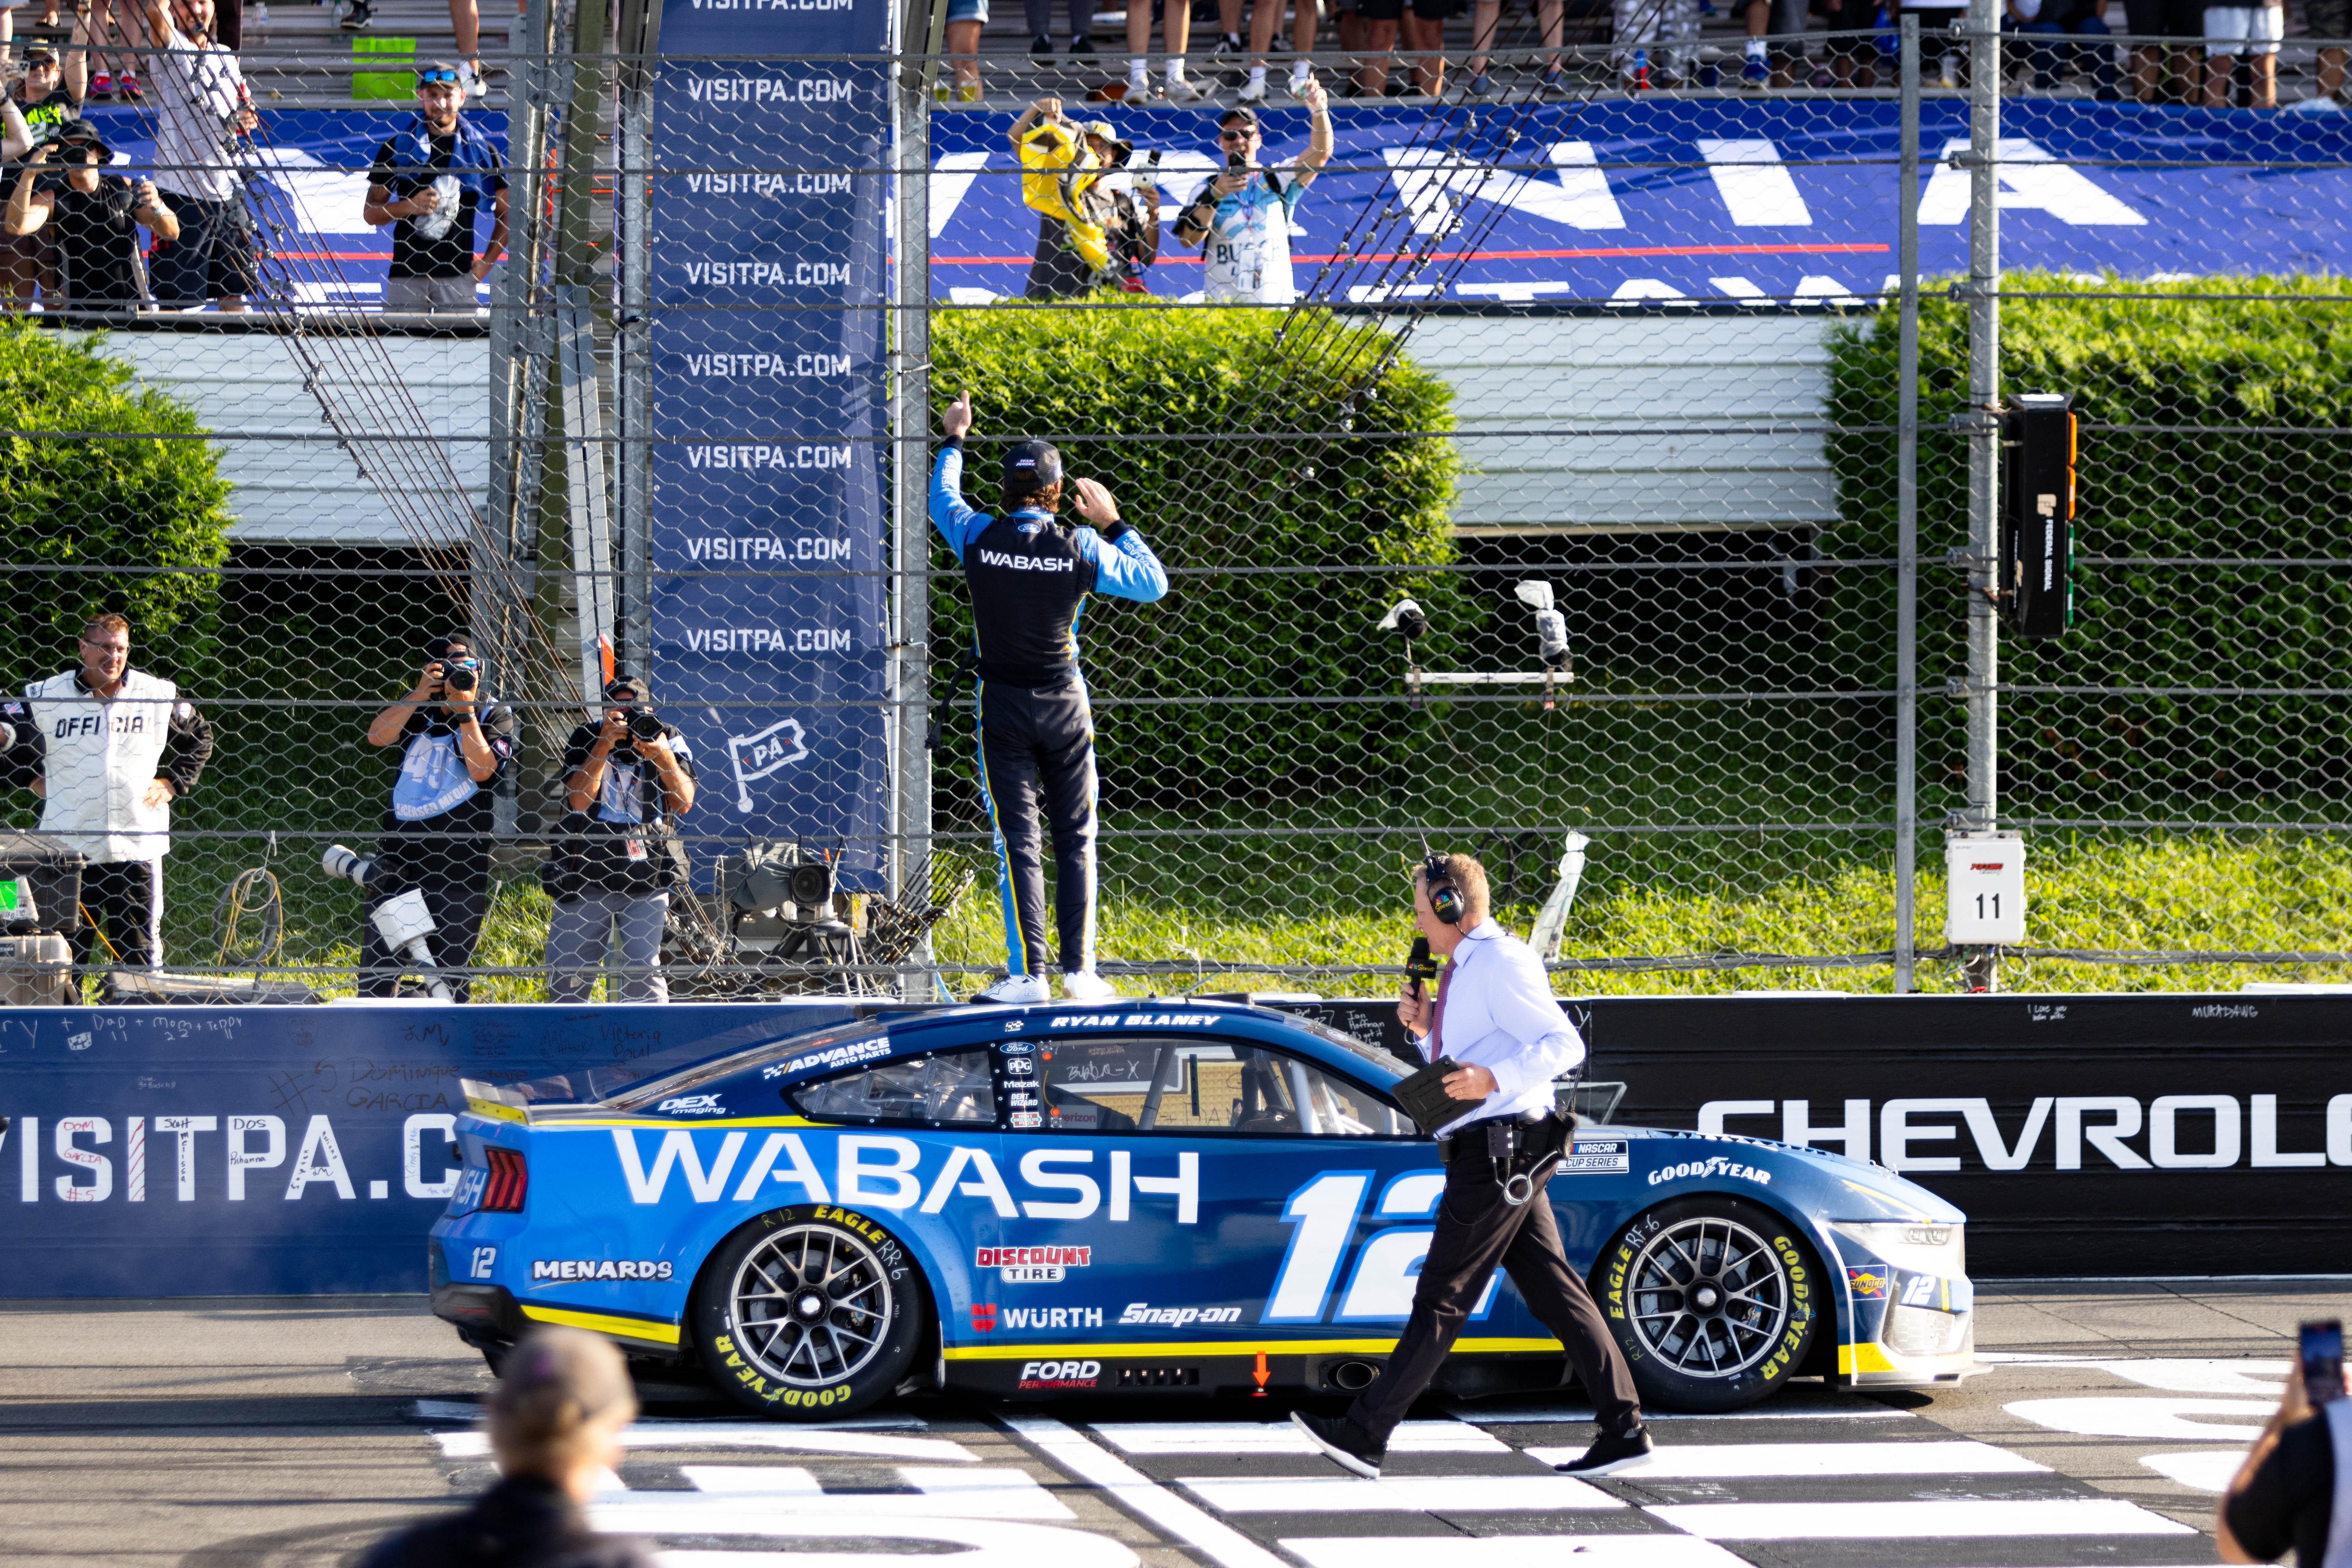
[{"x": 636, "y": 1097}]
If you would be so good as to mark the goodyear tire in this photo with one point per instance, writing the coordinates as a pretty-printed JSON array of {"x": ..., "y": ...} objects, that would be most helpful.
[
  {"x": 1714, "y": 1302},
  {"x": 809, "y": 1313}
]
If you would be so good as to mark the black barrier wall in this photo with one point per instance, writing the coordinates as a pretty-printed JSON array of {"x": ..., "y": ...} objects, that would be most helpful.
[
  {"x": 234, "y": 1151},
  {"x": 2104, "y": 1135}
]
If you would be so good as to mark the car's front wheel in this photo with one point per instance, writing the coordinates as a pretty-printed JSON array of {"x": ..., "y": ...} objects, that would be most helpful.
[
  {"x": 806, "y": 1318},
  {"x": 1713, "y": 1301}
]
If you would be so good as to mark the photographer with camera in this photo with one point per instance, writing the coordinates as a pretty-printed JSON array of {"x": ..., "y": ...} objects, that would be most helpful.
[
  {"x": 2294, "y": 1489},
  {"x": 455, "y": 739},
  {"x": 618, "y": 855},
  {"x": 1496, "y": 1039},
  {"x": 1029, "y": 577}
]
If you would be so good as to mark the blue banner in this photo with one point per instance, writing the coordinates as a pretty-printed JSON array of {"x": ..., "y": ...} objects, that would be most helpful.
[
  {"x": 264, "y": 1151},
  {"x": 769, "y": 279},
  {"x": 1705, "y": 200}
]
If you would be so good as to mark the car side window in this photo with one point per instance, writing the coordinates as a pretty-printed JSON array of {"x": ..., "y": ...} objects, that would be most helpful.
[
  {"x": 937, "y": 1090},
  {"x": 1145, "y": 1083}
]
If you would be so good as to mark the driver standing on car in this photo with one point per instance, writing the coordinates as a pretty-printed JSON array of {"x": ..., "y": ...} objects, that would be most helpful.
[
  {"x": 1494, "y": 1015},
  {"x": 1029, "y": 577}
]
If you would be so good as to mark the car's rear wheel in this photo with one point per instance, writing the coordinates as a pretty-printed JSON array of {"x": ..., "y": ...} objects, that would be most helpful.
[
  {"x": 1713, "y": 1301},
  {"x": 806, "y": 1318}
]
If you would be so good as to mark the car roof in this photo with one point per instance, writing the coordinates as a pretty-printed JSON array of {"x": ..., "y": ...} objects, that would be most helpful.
[{"x": 916, "y": 1031}]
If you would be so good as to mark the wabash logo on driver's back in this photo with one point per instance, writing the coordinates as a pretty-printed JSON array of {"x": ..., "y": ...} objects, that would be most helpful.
[{"x": 1028, "y": 562}]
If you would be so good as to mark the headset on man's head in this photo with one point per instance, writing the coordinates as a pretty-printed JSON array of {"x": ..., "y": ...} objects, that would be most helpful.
[{"x": 1445, "y": 899}]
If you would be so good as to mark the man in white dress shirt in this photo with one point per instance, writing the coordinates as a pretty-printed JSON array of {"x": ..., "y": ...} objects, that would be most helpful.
[{"x": 1494, "y": 1014}]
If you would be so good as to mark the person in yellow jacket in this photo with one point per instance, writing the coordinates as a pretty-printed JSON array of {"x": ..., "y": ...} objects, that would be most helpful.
[{"x": 1064, "y": 178}]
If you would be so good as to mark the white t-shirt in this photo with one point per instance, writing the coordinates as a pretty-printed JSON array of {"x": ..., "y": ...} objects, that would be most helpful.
[
  {"x": 196, "y": 93},
  {"x": 1247, "y": 257}
]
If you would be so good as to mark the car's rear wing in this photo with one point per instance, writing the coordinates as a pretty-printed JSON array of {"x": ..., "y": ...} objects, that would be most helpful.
[{"x": 487, "y": 1100}]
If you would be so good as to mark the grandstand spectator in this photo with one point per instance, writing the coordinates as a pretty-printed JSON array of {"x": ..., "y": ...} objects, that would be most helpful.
[
  {"x": 1638, "y": 23},
  {"x": 1241, "y": 216},
  {"x": 2181, "y": 19},
  {"x": 1265, "y": 20},
  {"x": 2057, "y": 18},
  {"x": 2254, "y": 31},
  {"x": 49, "y": 93},
  {"x": 1852, "y": 52},
  {"x": 429, "y": 181},
  {"x": 1039, "y": 15},
  {"x": 94, "y": 217},
  {"x": 1134, "y": 230},
  {"x": 1176, "y": 27},
  {"x": 2328, "y": 19},
  {"x": 965, "y": 19},
  {"x": 1485, "y": 20},
  {"x": 203, "y": 114},
  {"x": 1423, "y": 26},
  {"x": 1936, "y": 18}
]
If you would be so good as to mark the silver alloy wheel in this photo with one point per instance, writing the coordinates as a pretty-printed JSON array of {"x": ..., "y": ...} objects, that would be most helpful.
[
  {"x": 811, "y": 1305},
  {"x": 1710, "y": 1296}
]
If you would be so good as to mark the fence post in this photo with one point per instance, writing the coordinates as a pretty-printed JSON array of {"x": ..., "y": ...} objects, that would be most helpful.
[
  {"x": 911, "y": 546},
  {"x": 1983, "y": 423},
  {"x": 1906, "y": 521}
]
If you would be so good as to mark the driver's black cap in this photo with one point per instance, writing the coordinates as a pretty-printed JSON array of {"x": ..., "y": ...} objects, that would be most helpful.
[{"x": 1033, "y": 466}]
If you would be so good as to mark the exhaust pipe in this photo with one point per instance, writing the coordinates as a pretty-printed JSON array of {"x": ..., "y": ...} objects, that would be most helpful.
[{"x": 1352, "y": 1376}]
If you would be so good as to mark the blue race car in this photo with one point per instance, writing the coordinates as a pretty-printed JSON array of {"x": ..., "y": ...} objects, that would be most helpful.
[{"x": 1189, "y": 1196}]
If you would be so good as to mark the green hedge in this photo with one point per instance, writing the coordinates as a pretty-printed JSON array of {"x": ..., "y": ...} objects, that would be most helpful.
[
  {"x": 2213, "y": 430},
  {"x": 128, "y": 508},
  {"x": 1210, "y": 430}
]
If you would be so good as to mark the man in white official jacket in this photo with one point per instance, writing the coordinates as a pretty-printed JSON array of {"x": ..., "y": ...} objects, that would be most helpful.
[{"x": 108, "y": 748}]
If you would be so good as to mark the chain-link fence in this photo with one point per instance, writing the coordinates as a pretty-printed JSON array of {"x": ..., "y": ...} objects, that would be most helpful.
[{"x": 1538, "y": 468}]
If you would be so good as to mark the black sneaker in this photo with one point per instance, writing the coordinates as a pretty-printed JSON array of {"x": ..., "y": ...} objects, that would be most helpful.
[
  {"x": 1343, "y": 1442},
  {"x": 1611, "y": 1454},
  {"x": 1082, "y": 46},
  {"x": 1041, "y": 49}
]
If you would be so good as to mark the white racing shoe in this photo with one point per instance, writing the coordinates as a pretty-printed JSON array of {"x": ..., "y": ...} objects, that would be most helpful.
[
  {"x": 1018, "y": 988},
  {"x": 1086, "y": 986}
]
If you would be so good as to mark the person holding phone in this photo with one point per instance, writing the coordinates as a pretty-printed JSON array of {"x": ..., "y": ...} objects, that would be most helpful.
[
  {"x": 2292, "y": 1488},
  {"x": 1240, "y": 219},
  {"x": 454, "y": 741}
]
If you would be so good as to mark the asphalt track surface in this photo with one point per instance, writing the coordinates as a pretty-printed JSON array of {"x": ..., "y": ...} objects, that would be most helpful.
[{"x": 276, "y": 1433}]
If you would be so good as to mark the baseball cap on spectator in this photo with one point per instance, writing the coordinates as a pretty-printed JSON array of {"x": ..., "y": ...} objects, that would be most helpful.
[
  {"x": 628, "y": 688},
  {"x": 1104, "y": 129},
  {"x": 78, "y": 135},
  {"x": 558, "y": 1391},
  {"x": 1033, "y": 466},
  {"x": 40, "y": 55},
  {"x": 436, "y": 70},
  {"x": 439, "y": 648}
]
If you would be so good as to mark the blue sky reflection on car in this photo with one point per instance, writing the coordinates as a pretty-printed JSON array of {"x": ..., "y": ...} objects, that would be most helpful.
[{"x": 1189, "y": 1196}]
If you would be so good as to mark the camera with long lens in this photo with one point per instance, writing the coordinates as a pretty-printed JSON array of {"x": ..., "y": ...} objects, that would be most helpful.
[
  {"x": 643, "y": 725},
  {"x": 461, "y": 674},
  {"x": 347, "y": 864}
]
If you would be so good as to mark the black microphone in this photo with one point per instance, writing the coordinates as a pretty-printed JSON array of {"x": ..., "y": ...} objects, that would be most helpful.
[{"x": 1420, "y": 967}]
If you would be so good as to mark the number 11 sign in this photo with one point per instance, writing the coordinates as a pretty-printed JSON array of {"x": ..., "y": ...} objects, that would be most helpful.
[{"x": 1985, "y": 901}]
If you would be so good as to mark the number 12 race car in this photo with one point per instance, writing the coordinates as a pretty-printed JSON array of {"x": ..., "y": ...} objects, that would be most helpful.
[{"x": 1187, "y": 1196}]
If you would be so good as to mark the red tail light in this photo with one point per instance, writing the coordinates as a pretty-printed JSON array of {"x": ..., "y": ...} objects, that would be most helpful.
[{"x": 510, "y": 1181}]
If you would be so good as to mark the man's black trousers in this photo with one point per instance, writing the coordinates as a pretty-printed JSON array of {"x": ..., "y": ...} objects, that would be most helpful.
[
  {"x": 126, "y": 899},
  {"x": 453, "y": 874},
  {"x": 1039, "y": 743},
  {"x": 1477, "y": 1229}
]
